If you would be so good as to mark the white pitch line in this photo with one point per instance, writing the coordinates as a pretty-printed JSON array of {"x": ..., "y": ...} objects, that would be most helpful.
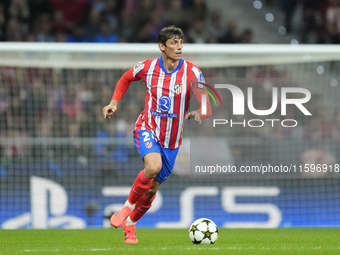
[{"x": 172, "y": 248}]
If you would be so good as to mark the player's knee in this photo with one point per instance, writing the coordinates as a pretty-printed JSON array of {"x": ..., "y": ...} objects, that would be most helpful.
[{"x": 152, "y": 169}]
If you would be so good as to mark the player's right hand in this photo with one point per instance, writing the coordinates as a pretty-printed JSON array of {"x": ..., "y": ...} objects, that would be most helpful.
[{"x": 109, "y": 110}]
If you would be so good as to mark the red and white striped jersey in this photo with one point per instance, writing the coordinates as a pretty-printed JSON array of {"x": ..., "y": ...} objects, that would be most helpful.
[{"x": 167, "y": 98}]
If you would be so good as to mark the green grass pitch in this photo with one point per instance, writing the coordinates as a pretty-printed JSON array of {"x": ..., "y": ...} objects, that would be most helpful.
[{"x": 170, "y": 241}]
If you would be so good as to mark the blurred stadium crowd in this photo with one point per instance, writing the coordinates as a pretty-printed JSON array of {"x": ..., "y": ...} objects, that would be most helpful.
[
  {"x": 111, "y": 21},
  {"x": 320, "y": 19}
]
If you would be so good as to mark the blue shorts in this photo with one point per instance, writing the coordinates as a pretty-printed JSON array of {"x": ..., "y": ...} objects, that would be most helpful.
[{"x": 147, "y": 143}]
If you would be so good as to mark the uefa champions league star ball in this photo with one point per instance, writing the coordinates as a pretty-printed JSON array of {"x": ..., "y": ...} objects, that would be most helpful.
[{"x": 203, "y": 231}]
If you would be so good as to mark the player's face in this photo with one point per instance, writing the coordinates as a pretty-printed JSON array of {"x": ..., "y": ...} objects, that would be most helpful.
[{"x": 173, "y": 48}]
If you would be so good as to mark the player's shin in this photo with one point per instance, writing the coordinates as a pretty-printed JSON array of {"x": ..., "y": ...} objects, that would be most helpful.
[
  {"x": 141, "y": 185},
  {"x": 142, "y": 206}
]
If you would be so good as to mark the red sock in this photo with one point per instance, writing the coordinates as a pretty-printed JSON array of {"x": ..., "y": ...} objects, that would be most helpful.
[
  {"x": 142, "y": 206},
  {"x": 141, "y": 185}
]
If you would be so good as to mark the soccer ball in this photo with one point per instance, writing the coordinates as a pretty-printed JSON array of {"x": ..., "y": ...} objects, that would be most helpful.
[{"x": 203, "y": 231}]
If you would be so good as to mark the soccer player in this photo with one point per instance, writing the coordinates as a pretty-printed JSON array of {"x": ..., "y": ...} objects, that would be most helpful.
[{"x": 158, "y": 133}]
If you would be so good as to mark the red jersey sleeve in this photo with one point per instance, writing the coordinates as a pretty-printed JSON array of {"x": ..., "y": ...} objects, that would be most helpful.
[
  {"x": 134, "y": 74},
  {"x": 198, "y": 82}
]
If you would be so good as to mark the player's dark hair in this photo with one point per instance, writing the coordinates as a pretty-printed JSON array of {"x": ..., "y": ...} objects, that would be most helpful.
[{"x": 170, "y": 32}]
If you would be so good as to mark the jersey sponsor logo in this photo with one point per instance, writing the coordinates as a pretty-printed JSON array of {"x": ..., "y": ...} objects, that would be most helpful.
[
  {"x": 148, "y": 145},
  {"x": 164, "y": 103},
  {"x": 167, "y": 115},
  {"x": 178, "y": 88}
]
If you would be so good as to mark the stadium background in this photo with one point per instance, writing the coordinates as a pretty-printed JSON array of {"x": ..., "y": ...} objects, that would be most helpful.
[{"x": 63, "y": 166}]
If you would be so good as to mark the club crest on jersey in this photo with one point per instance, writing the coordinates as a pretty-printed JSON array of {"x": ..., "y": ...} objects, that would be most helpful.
[
  {"x": 148, "y": 145},
  {"x": 178, "y": 88}
]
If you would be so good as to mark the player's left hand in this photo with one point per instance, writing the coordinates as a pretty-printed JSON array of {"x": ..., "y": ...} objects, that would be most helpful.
[{"x": 193, "y": 115}]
